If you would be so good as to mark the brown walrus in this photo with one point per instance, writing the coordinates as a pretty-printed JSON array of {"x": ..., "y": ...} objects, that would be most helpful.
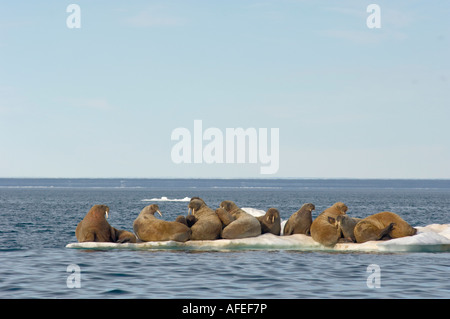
[
  {"x": 270, "y": 222},
  {"x": 300, "y": 221},
  {"x": 323, "y": 228},
  {"x": 244, "y": 225},
  {"x": 181, "y": 219},
  {"x": 191, "y": 220},
  {"x": 95, "y": 227},
  {"x": 148, "y": 228},
  {"x": 382, "y": 226},
  {"x": 207, "y": 224},
  {"x": 224, "y": 216}
]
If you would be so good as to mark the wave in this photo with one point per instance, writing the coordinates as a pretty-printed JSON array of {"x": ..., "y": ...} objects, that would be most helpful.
[
  {"x": 430, "y": 238},
  {"x": 165, "y": 199}
]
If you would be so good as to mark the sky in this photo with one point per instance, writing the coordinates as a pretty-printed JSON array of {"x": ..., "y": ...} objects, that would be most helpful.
[{"x": 102, "y": 100}]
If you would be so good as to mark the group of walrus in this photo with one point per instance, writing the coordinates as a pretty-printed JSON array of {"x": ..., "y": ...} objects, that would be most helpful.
[{"x": 330, "y": 227}]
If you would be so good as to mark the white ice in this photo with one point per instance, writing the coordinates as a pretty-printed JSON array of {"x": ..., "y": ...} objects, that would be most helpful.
[{"x": 165, "y": 199}]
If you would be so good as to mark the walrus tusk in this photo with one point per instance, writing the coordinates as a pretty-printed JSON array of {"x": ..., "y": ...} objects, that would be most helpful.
[
  {"x": 159, "y": 213},
  {"x": 193, "y": 211},
  {"x": 273, "y": 219},
  {"x": 189, "y": 211},
  {"x": 106, "y": 214}
]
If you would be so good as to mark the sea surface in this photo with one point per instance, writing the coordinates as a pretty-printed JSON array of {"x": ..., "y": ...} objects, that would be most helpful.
[{"x": 38, "y": 218}]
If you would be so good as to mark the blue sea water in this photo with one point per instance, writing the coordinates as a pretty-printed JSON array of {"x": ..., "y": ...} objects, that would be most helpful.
[{"x": 38, "y": 218}]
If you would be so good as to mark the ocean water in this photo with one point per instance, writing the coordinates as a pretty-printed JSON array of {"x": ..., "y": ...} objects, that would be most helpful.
[{"x": 38, "y": 218}]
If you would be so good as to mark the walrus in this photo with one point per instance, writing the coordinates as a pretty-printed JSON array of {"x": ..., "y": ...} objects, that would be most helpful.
[
  {"x": 270, "y": 222},
  {"x": 181, "y": 219},
  {"x": 323, "y": 228},
  {"x": 207, "y": 225},
  {"x": 346, "y": 225},
  {"x": 244, "y": 225},
  {"x": 95, "y": 227},
  {"x": 191, "y": 220},
  {"x": 382, "y": 226},
  {"x": 188, "y": 220},
  {"x": 300, "y": 221},
  {"x": 224, "y": 216},
  {"x": 148, "y": 228}
]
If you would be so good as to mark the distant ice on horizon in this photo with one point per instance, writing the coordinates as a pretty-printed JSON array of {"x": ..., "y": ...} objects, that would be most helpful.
[{"x": 165, "y": 199}]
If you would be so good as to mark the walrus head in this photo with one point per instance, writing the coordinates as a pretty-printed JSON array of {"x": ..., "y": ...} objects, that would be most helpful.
[
  {"x": 343, "y": 224},
  {"x": 309, "y": 206},
  {"x": 341, "y": 207},
  {"x": 191, "y": 220},
  {"x": 151, "y": 209},
  {"x": 228, "y": 205},
  {"x": 99, "y": 211},
  {"x": 272, "y": 214},
  {"x": 342, "y": 219},
  {"x": 195, "y": 204},
  {"x": 339, "y": 220}
]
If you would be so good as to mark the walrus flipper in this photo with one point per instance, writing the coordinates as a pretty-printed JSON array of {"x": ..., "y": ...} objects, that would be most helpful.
[
  {"x": 288, "y": 230},
  {"x": 384, "y": 235}
]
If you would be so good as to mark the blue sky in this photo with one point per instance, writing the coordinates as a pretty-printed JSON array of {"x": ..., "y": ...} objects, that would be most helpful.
[{"x": 102, "y": 100}]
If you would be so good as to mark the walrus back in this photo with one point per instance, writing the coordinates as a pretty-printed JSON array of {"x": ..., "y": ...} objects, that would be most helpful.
[
  {"x": 367, "y": 230},
  {"x": 208, "y": 225},
  {"x": 298, "y": 223},
  {"x": 87, "y": 232},
  {"x": 149, "y": 228},
  {"x": 401, "y": 227},
  {"x": 324, "y": 233},
  {"x": 207, "y": 228},
  {"x": 243, "y": 227}
]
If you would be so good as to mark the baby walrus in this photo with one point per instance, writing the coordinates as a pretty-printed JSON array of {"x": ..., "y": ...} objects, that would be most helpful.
[{"x": 148, "y": 228}]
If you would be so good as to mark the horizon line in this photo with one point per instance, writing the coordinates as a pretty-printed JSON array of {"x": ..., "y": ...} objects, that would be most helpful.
[{"x": 238, "y": 178}]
